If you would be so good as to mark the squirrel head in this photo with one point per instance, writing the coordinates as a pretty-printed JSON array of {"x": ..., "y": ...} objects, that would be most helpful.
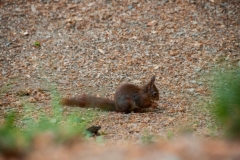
[{"x": 152, "y": 90}]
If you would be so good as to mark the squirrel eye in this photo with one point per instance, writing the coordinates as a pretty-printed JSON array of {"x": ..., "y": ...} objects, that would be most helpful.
[{"x": 154, "y": 93}]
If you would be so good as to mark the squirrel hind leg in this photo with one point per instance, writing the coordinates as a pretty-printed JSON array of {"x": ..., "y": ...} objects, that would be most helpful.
[{"x": 126, "y": 105}]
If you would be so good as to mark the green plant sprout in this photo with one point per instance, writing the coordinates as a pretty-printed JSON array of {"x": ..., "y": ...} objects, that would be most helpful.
[
  {"x": 147, "y": 138},
  {"x": 37, "y": 44}
]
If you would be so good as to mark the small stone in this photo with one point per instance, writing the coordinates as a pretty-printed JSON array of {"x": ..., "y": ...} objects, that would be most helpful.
[
  {"x": 130, "y": 7},
  {"x": 152, "y": 23},
  {"x": 136, "y": 81},
  {"x": 194, "y": 22},
  {"x": 8, "y": 44},
  {"x": 197, "y": 69},
  {"x": 26, "y": 33},
  {"x": 193, "y": 81},
  {"x": 18, "y": 9},
  {"x": 180, "y": 33},
  {"x": 173, "y": 53},
  {"x": 101, "y": 51},
  {"x": 191, "y": 90},
  {"x": 63, "y": 81},
  {"x": 33, "y": 8}
]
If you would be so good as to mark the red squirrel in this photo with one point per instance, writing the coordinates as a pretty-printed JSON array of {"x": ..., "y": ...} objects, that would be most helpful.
[{"x": 127, "y": 98}]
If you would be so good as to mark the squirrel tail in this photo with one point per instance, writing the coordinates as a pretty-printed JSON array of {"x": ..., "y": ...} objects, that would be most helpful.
[{"x": 86, "y": 101}]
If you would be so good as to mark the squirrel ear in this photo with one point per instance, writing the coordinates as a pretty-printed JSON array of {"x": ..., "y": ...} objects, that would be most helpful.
[
  {"x": 151, "y": 83},
  {"x": 152, "y": 80}
]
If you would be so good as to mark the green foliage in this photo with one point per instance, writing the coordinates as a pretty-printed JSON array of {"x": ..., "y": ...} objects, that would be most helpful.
[
  {"x": 170, "y": 135},
  {"x": 18, "y": 130},
  {"x": 12, "y": 141},
  {"x": 37, "y": 44},
  {"x": 147, "y": 138},
  {"x": 227, "y": 102}
]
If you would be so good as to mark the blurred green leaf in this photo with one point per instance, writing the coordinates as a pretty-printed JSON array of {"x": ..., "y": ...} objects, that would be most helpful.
[
  {"x": 226, "y": 94},
  {"x": 37, "y": 44},
  {"x": 18, "y": 137}
]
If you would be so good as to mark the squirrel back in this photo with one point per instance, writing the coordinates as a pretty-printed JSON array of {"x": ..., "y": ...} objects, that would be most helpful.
[{"x": 127, "y": 98}]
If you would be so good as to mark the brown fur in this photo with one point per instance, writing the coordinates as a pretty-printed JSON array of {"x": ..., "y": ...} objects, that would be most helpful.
[
  {"x": 86, "y": 101},
  {"x": 127, "y": 98}
]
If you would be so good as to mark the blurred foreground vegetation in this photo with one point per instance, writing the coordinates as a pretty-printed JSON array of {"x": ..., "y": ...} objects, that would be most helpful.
[
  {"x": 19, "y": 129},
  {"x": 226, "y": 95}
]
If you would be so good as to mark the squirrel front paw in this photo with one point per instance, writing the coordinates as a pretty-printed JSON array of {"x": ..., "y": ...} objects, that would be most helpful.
[{"x": 154, "y": 105}]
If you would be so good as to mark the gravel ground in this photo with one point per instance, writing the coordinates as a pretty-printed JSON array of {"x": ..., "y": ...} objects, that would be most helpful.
[{"x": 85, "y": 46}]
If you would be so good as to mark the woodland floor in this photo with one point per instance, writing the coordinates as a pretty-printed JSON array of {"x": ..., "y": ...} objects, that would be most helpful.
[{"x": 92, "y": 47}]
